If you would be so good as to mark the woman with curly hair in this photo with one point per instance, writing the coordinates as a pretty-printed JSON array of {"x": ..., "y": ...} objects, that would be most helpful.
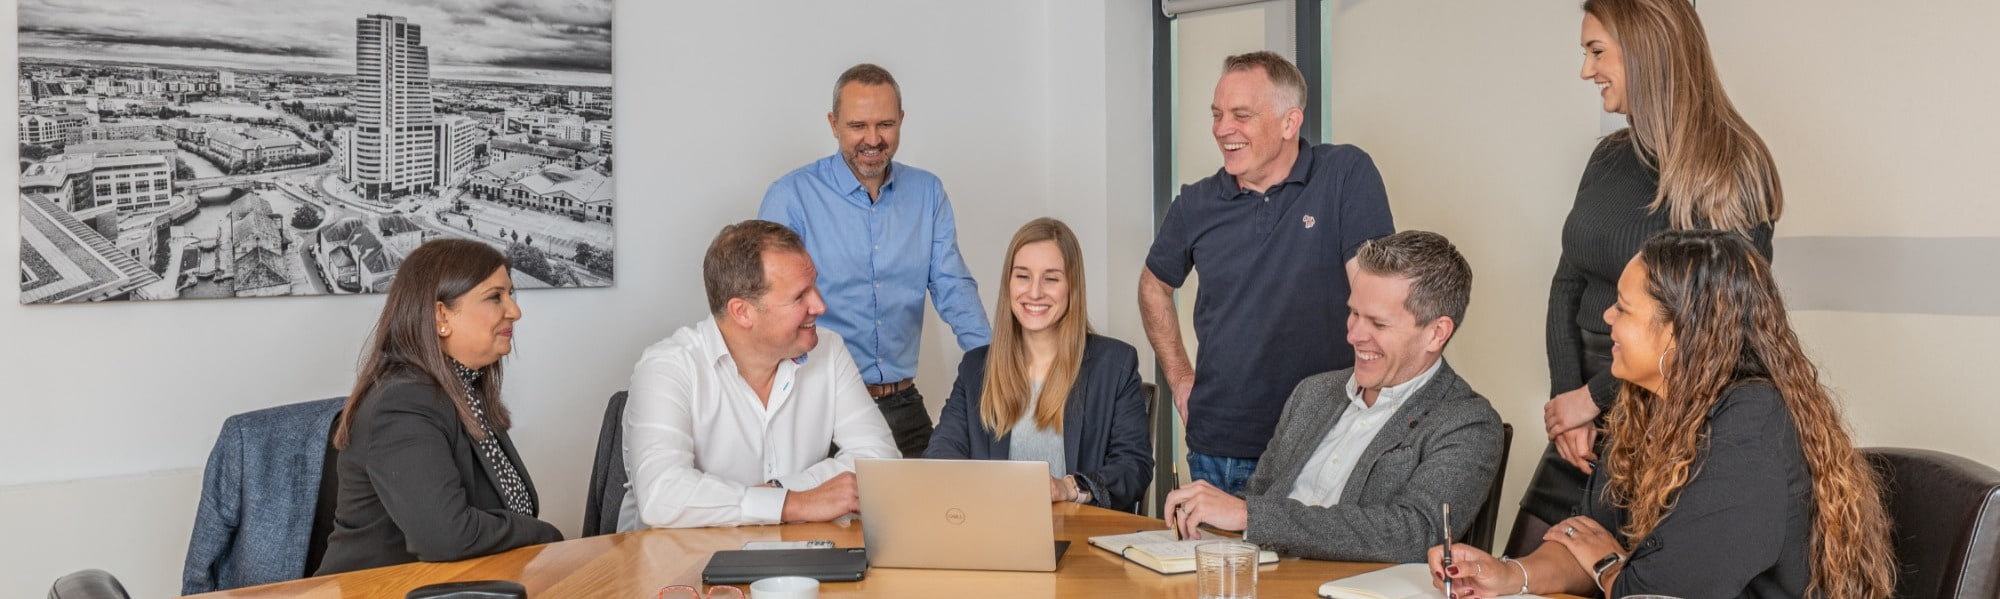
[{"x": 1729, "y": 472}]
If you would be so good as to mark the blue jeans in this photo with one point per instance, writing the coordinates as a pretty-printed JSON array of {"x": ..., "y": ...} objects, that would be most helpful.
[{"x": 1228, "y": 474}]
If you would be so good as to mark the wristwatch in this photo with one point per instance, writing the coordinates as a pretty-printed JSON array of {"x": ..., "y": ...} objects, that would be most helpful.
[
  {"x": 1077, "y": 491},
  {"x": 1604, "y": 564}
]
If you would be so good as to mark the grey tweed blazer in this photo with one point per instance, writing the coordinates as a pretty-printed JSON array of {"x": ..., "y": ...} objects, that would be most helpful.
[{"x": 1442, "y": 446}]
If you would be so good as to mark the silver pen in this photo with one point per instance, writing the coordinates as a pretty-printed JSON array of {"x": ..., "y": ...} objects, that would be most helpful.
[{"x": 1445, "y": 562}]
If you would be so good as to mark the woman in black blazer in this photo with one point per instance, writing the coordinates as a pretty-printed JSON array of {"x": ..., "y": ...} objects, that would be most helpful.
[
  {"x": 427, "y": 472},
  {"x": 1047, "y": 389},
  {"x": 1729, "y": 471}
]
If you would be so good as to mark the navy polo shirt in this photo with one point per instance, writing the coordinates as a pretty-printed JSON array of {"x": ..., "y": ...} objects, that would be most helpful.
[{"x": 1272, "y": 309}]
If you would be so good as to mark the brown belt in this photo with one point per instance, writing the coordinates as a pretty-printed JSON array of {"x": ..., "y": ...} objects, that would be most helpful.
[{"x": 885, "y": 389}]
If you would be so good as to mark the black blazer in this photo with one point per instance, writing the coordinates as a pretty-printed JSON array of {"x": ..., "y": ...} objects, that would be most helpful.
[
  {"x": 413, "y": 487},
  {"x": 1742, "y": 526},
  {"x": 1105, "y": 441}
]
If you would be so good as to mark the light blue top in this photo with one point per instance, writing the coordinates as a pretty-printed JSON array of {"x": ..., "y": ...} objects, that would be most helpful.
[
  {"x": 877, "y": 259},
  {"x": 1032, "y": 442}
]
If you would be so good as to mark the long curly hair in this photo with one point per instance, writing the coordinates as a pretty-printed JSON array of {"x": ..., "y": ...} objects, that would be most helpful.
[{"x": 1729, "y": 327}]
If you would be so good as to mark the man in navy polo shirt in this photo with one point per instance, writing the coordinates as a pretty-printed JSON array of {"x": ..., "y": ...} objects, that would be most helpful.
[{"x": 1274, "y": 234}]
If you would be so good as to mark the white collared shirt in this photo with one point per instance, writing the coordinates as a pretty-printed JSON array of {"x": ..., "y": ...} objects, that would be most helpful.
[
  {"x": 698, "y": 443},
  {"x": 1325, "y": 474}
]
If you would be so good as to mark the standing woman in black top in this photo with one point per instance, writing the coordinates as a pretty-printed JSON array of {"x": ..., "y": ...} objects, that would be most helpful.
[
  {"x": 427, "y": 472},
  {"x": 1729, "y": 471},
  {"x": 1688, "y": 161}
]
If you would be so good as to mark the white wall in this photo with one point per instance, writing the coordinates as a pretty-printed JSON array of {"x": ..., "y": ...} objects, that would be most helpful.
[
  {"x": 1481, "y": 130},
  {"x": 1024, "y": 109},
  {"x": 1878, "y": 114},
  {"x": 1896, "y": 144}
]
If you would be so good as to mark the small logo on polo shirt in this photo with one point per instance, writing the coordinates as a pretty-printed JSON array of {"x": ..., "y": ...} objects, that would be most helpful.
[{"x": 1310, "y": 221}]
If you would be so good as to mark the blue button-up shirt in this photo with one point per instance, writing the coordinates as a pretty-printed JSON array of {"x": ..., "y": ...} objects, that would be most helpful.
[{"x": 877, "y": 259}]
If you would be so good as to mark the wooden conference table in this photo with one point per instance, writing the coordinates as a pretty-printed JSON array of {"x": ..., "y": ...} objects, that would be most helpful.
[{"x": 636, "y": 564}]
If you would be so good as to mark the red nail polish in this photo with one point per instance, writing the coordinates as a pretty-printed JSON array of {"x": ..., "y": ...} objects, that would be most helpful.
[{"x": 1452, "y": 570}]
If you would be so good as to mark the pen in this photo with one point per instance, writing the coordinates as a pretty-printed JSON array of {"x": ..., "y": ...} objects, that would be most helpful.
[{"x": 1445, "y": 563}]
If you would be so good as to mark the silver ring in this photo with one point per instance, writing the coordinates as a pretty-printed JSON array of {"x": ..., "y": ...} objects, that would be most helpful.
[{"x": 1569, "y": 531}]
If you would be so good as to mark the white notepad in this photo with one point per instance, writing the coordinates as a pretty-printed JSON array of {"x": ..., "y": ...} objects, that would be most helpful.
[
  {"x": 1403, "y": 581},
  {"x": 1158, "y": 551}
]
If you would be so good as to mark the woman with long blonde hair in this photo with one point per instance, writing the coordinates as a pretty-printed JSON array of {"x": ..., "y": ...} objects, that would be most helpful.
[
  {"x": 1729, "y": 471},
  {"x": 1048, "y": 388},
  {"x": 1688, "y": 161}
]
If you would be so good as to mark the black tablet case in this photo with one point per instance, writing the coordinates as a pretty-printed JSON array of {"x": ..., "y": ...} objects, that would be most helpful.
[{"x": 826, "y": 565}]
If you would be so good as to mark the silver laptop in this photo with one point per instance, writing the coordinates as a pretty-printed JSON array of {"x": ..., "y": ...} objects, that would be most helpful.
[{"x": 957, "y": 514}]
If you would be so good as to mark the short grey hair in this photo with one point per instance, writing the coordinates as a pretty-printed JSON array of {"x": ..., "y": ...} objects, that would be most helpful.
[
  {"x": 866, "y": 74},
  {"x": 1440, "y": 279},
  {"x": 1284, "y": 75}
]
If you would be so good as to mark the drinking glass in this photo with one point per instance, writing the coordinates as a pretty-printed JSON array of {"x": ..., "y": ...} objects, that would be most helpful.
[{"x": 1226, "y": 570}]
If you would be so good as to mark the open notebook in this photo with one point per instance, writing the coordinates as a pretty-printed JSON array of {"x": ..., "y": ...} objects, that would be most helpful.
[
  {"x": 1158, "y": 551},
  {"x": 1403, "y": 581}
]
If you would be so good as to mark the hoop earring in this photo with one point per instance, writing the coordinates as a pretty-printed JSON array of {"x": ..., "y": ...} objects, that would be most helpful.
[{"x": 1661, "y": 366}]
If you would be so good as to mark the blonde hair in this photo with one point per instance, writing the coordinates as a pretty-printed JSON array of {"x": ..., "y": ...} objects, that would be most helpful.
[
  {"x": 1006, "y": 390},
  {"x": 1715, "y": 171}
]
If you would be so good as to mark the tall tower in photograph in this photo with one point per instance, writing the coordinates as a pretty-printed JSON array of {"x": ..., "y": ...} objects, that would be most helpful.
[{"x": 394, "y": 142}]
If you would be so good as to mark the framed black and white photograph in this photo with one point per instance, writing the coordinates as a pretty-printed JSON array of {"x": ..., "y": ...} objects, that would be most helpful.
[{"x": 175, "y": 149}]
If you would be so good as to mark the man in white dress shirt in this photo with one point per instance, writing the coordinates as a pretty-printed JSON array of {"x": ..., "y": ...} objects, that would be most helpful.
[
  {"x": 729, "y": 421},
  {"x": 1363, "y": 458}
]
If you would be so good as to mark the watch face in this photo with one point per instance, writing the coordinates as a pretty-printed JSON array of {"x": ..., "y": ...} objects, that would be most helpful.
[{"x": 1605, "y": 562}]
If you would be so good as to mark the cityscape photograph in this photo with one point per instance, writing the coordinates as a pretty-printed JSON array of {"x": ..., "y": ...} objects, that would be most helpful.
[{"x": 177, "y": 149}]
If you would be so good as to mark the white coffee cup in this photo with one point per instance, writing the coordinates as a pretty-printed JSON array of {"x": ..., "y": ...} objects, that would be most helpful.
[{"x": 785, "y": 587}]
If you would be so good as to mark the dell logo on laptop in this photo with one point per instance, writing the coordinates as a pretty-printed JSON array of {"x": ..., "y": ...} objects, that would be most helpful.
[{"x": 954, "y": 516}]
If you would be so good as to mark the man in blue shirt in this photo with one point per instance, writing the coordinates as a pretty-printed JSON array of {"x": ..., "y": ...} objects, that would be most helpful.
[
  {"x": 882, "y": 234},
  {"x": 1274, "y": 233}
]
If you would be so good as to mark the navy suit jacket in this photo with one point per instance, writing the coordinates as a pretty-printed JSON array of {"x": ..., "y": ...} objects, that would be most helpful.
[{"x": 1105, "y": 440}]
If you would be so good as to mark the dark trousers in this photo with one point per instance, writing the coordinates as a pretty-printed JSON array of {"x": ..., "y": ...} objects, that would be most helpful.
[
  {"x": 908, "y": 420},
  {"x": 1557, "y": 488}
]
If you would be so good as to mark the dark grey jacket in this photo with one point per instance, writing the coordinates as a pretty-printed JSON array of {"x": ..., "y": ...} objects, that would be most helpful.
[
  {"x": 1442, "y": 446},
  {"x": 413, "y": 487}
]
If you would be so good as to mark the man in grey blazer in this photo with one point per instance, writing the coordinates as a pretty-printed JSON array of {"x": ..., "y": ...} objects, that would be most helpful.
[{"x": 1364, "y": 457}]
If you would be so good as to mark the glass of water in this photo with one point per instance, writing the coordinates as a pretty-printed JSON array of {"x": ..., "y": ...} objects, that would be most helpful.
[{"x": 1226, "y": 570}]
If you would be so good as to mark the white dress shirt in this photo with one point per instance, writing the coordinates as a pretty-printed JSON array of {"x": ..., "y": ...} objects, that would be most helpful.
[
  {"x": 698, "y": 443},
  {"x": 1325, "y": 474}
]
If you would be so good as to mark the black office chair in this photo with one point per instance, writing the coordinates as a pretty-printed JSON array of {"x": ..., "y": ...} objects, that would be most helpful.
[
  {"x": 1946, "y": 513},
  {"x": 329, "y": 497},
  {"x": 1164, "y": 477},
  {"x": 1480, "y": 534},
  {"x": 607, "y": 472},
  {"x": 88, "y": 584}
]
